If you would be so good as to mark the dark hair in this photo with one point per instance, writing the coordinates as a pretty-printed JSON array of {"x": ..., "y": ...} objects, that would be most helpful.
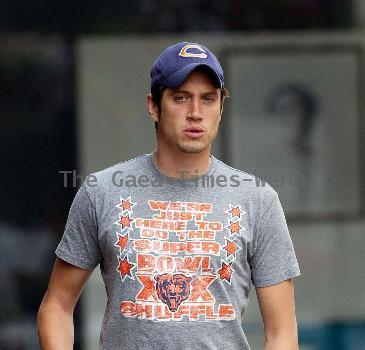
[{"x": 158, "y": 90}]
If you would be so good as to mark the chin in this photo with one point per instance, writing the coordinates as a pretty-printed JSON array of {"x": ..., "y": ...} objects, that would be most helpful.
[{"x": 190, "y": 149}]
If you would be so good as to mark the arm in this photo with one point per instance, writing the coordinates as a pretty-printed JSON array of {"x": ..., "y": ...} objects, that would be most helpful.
[
  {"x": 55, "y": 315},
  {"x": 277, "y": 308}
]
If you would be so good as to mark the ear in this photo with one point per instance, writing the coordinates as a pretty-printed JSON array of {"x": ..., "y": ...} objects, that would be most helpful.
[
  {"x": 152, "y": 108},
  {"x": 220, "y": 115},
  {"x": 221, "y": 109}
]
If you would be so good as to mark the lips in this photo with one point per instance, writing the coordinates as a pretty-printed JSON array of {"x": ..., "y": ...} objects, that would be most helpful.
[{"x": 194, "y": 132}]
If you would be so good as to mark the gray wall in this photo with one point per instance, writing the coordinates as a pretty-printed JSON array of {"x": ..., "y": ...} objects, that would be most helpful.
[{"x": 359, "y": 13}]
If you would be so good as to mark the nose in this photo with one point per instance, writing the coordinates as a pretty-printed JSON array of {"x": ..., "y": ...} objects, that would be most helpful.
[
  {"x": 195, "y": 110},
  {"x": 172, "y": 289}
]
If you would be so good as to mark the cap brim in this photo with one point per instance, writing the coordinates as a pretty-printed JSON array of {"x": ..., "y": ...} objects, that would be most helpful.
[{"x": 177, "y": 78}]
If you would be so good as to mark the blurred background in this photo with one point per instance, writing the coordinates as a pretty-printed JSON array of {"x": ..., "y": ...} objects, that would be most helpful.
[{"x": 73, "y": 79}]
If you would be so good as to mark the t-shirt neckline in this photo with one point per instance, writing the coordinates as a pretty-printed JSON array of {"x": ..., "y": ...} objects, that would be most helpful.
[{"x": 175, "y": 180}]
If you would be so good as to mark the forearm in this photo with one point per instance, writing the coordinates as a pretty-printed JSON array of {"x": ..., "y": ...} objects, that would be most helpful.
[
  {"x": 284, "y": 341},
  {"x": 55, "y": 328}
]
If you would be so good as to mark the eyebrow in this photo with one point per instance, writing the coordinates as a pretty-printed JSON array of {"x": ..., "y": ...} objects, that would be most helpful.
[{"x": 212, "y": 92}]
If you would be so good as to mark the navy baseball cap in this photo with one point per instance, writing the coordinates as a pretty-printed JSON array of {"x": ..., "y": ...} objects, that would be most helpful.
[{"x": 174, "y": 65}]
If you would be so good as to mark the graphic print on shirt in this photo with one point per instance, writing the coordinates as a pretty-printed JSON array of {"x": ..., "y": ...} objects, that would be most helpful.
[{"x": 173, "y": 254}]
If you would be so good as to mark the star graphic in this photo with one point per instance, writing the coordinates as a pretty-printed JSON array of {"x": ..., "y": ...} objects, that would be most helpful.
[
  {"x": 235, "y": 211},
  {"x": 125, "y": 221},
  {"x": 126, "y": 204},
  {"x": 124, "y": 268},
  {"x": 234, "y": 227},
  {"x": 122, "y": 241},
  {"x": 231, "y": 248},
  {"x": 225, "y": 272}
]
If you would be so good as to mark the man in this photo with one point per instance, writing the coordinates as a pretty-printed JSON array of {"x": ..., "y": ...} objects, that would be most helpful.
[{"x": 180, "y": 237}]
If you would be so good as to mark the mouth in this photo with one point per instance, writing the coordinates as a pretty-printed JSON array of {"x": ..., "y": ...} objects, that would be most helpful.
[
  {"x": 173, "y": 304},
  {"x": 194, "y": 132}
]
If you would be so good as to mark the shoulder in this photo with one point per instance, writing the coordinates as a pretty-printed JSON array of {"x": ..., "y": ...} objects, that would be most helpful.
[
  {"x": 102, "y": 180},
  {"x": 258, "y": 190},
  {"x": 131, "y": 165}
]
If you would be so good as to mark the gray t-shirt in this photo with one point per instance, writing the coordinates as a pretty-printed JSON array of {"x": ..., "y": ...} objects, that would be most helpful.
[{"x": 177, "y": 256}]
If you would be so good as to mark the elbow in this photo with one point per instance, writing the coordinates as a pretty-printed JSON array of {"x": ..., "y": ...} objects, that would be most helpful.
[
  {"x": 50, "y": 308},
  {"x": 40, "y": 313},
  {"x": 282, "y": 340}
]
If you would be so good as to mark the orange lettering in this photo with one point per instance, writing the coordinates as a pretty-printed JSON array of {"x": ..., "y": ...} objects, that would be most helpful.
[
  {"x": 127, "y": 308},
  {"x": 226, "y": 312},
  {"x": 145, "y": 262},
  {"x": 144, "y": 311},
  {"x": 199, "y": 288},
  {"x": 148, "y": 291}
]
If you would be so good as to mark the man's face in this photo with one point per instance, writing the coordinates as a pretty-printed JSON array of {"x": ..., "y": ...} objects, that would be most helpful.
[{"x": 194, "y": 104}]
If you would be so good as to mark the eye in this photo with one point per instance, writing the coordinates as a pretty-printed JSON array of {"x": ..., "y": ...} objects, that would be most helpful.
[
  {"x": 180, "y": 98},
  {"x": 209, "y": 99}
]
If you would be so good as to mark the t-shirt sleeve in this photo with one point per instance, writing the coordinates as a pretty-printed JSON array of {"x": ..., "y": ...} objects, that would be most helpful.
[
  {"x": 274, "y": 258},
  {"x": 79, "y": 244}
]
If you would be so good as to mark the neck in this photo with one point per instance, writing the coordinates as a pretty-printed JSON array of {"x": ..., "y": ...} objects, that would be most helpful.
[{"x": 182, "y": 165}]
